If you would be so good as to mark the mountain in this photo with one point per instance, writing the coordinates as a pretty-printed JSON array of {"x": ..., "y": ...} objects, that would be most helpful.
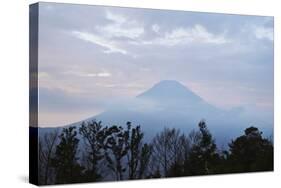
[
  {"x": 174, "y": 97},
  {"x": 171, "y": 104},
  {"x": 170, "y": 90},
  {"x": 166, "y": 104}
]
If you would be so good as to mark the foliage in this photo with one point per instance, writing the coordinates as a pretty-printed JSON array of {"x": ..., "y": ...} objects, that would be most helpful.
[
  {"x": 116, "y": 148},
  {"x": 65, "y": 160},
  {"x": 93, "y": 135},
  {"x": 251, "y": 152},
  {"x": 120, "y": 153},
  {"x": 203, "y": 154}
]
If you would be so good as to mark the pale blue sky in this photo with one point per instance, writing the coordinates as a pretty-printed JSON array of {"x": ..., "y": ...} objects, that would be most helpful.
[{"x": 90, "y": 56}]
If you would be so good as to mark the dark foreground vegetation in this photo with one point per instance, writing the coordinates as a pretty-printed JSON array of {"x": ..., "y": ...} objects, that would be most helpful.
[{"x": 92, "y": 153}]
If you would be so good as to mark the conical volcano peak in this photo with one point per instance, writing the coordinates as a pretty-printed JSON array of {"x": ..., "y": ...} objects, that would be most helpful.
[
  {"x": 168, "y": 84},
  {"x": 170, "y": 90}
]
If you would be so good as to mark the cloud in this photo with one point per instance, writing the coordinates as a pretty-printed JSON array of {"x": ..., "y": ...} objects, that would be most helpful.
[
  {"x": 103, "y": 74},
  {"x": 108, "y": 35},
  {"x": 110, "y": 46},
  {"x": 155, "y": 28},
  {"x": 87, "y": 74},
  {"x": 116, "y": 18},
  {"x": 185, "y": 35},
  {"x": 264, "y": 33},
  {"x": 121, "y": 27},
  {"x": 114, "y": 30},
  {"x": 88, "y": 53},
  {"x": 121, "y": 85},
  {"x": 43, "y": 75},
  {"x": 59, "y": 107}
]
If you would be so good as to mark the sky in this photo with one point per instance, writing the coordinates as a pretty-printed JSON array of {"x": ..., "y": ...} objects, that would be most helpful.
[{"x": 92, "y": 56}]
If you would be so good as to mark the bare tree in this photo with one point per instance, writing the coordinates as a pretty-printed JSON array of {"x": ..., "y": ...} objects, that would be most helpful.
[
  {"x": 145, "y": 159},
  {"x": 46, "y": 151},
  {"x": 169, "y": 148}
]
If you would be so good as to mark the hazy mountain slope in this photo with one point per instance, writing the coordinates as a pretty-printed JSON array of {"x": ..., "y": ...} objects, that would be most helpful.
[
  {"x": 167, "y": 104},
  {"x": 171, "y": 104}
]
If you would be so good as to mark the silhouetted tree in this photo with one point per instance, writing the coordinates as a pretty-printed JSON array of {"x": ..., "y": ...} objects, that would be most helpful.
[
  {"x": 94, "y": 136},
  {"x": 134, "y": 143},
  {"x": 127, "y": 142},
  {"x": 155, "y": 174},
  {"x": 181, "y": 148},
  {"x": 122, "y": 151},
  {"x": 169, "y": 150},
  {"x": 116, "y": 148},
  {"x": 65, "y": 160},
  {"x": 145, "y": 157},
  {"x": 251, "y": 152},
  {"x": 203, "y": 154},
  {"x": 138, "y": 154},
  {"x": 47, "y": 145}
]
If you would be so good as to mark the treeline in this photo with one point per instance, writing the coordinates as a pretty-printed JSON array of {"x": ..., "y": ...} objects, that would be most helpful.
[{"x": 92, "y": 153}]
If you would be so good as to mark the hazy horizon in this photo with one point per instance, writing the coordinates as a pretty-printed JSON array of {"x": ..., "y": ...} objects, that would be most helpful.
[{"x": 92, "y": 56}]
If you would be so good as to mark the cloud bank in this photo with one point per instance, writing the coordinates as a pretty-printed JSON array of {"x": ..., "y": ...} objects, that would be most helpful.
[{"x": 96, "y": 55}]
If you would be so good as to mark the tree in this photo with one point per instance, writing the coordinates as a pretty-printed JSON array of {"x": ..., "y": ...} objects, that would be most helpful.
[
  {"x": 203, "y": 154},
  {"x": 145, "y": 156},
  {"x": 121, "y": 142},
  {"x": 250, "y": 152},
  {"x": 134, "y": 152},
  {"x": 169, "y": 148},
  {"x": 138, "y": 154},
  {"x": 116, "y": 148},
  {"x": 180, "y": 148},
  {"x": 46, "y": 152},
  {"x": 94, "y": 135},
  {"x": 65, "y": 160}
]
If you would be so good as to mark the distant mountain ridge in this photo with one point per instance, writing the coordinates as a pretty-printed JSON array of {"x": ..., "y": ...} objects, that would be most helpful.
[
  {"x": 170, "y": 90},
  {"x": 169, "y": 103},
  {"x": 166, "y": 104}
]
